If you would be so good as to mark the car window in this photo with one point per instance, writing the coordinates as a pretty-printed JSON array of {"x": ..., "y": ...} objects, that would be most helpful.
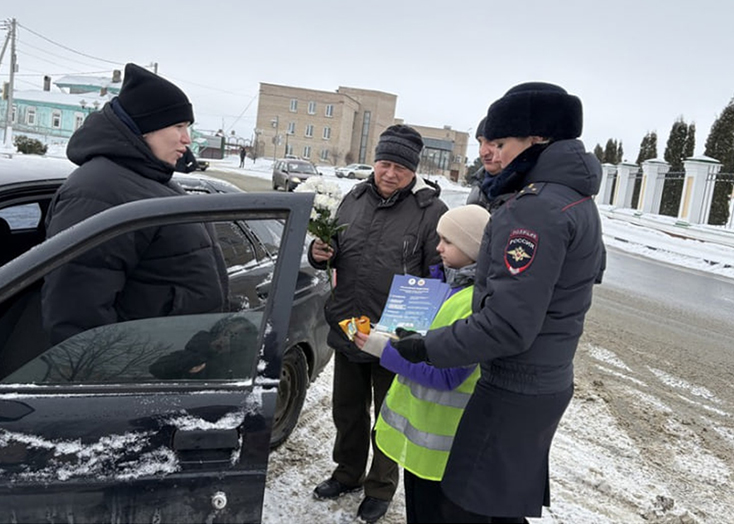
[
  {"x": 201, "y": 347},
  {"x": 269, "y": 232},
  {"x": 23, "y": 216},
  {"x": 237, "y": 249},
  {"x": 163, "y": 343}
]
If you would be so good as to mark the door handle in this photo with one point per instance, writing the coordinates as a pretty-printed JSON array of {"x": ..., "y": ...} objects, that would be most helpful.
[{"x": 204, "y": 448}]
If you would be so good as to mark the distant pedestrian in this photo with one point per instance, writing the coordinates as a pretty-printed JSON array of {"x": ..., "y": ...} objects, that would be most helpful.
[{"x": 243, "y": 154}]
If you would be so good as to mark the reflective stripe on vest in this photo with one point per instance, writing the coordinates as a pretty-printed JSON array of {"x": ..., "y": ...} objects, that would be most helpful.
[
  {"x": 417, "y": 424},
  {"x": 453, "y": 399}
]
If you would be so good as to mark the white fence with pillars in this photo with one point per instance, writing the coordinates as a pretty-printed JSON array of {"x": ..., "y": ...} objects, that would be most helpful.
[{"x": 695, "y": 204}]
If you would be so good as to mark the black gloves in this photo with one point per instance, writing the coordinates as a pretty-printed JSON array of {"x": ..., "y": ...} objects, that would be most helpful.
[{"x": 411, "y": 346}]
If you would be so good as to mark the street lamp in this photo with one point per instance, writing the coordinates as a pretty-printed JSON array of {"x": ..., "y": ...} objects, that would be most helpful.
[{"x": 275, "y": 122}]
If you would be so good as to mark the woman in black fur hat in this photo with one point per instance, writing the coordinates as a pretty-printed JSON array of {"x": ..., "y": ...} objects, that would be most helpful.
[{"x": 541, "y": 254}]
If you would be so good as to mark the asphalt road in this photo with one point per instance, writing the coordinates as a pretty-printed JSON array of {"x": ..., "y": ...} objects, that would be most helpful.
[{"x": 248, "y": 183}]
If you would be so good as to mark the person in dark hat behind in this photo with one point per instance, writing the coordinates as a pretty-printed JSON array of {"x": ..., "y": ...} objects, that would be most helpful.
[
  {"x": 390, "y": 223},
  {"x": 127, "y": 152},
  {"x": 540, "y": 256},
  {"x": 483, "y": 179}
]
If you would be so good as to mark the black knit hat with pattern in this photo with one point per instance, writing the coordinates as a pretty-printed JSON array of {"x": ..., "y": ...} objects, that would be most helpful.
[
  {"x": 151, "y": 101},
  {"x": 400, "y": 144},
  {"x": 535, "y": 109}
]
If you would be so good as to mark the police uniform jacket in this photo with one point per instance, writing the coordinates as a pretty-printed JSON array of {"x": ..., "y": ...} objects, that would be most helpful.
[{"x": 540, "y": 256}]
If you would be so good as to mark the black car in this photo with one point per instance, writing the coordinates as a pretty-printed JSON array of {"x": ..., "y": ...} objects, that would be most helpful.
[
  {"x": 288, "y": 173},
  {"x": 95, "y": 429}
]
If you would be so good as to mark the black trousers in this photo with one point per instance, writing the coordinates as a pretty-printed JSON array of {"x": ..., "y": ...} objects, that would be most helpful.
[
  {"x": 355, "y": 386},
  {"x": 425, "y": 502}
]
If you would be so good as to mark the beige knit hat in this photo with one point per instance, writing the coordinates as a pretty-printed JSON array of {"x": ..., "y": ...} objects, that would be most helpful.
[{"x": 464, "y": 227}]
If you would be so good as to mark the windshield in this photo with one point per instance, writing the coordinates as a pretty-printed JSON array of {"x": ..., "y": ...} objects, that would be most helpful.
[{"x": 298, "y": 167}]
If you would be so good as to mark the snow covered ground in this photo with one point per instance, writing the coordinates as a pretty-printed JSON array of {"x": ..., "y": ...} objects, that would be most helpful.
[{"x": 599, "y": 472}]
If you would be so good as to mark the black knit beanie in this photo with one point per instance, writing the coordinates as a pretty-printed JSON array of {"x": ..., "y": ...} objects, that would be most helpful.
[
  {"x": 151, "y": 101},
  {"x": 480, "y": 128},
  {"x": 400, "y": 144},
  {"x": 535, "y": 109}
]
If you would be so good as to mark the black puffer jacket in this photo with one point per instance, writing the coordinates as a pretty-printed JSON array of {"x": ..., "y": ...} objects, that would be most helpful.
[
  {"x": 540, "y": 256},
  {"x": 384, "y": 237},
  {"x": 170, "y": 270}
]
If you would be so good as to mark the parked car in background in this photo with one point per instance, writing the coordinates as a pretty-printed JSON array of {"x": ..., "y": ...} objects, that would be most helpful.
[
  {"x": 101, "y": 426},
  {"x": 289, "y": 172},
  {"x": 360, "y": 171},
  {"x": 201, "y": 165}
]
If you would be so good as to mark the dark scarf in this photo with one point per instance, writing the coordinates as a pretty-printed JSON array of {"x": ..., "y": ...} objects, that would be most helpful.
[{"x": 512, "y": 178}]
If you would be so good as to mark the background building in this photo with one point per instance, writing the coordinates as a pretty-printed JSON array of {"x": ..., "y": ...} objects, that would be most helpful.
[{"x": 343, "y": 127}]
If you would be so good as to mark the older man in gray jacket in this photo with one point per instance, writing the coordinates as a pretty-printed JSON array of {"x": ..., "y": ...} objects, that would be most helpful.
[{"x": 391, "y": 223}]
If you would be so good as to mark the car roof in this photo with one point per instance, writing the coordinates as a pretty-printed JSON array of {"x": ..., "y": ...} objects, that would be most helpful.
[{"x": 57, "y": 170}]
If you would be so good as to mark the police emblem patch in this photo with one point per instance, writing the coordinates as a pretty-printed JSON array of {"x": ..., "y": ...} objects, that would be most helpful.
[{"x": 520, "y": 250}]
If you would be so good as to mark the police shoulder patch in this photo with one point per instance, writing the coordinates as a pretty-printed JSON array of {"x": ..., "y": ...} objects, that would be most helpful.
[{"x": 520, "y": 250}]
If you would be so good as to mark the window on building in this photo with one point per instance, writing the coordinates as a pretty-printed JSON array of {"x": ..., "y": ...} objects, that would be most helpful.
[
  {"x": 289, "y": 149},
  {"x": 291, "y": 128},
  {"x": 458, "y": 159},
  {"x": 312, "y": 108},
  {"x": 364, "y": 136},
  {"x": 324, "y": 154},
  {"x": 30, "y": 116},
  {"x": 327, "y": 133},
  {"x": 309, "y": 130},
  {"x": 329, "y": 111},
  {"x": 78, "y": 120},
  {"x": 56, "y": 119},
  {"x": 294, "y": 105},
  {"x": 307, "y": 152}
]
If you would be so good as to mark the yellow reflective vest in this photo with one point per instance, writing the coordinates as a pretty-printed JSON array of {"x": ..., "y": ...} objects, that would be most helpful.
[{"x": 417, "y": 424}]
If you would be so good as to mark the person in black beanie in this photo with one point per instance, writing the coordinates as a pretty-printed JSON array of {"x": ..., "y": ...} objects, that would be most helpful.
[
  {"x": 483, "y": 179},
  {"x": 391, "y": 221},
  {"x": 540, "y": 256},
  {"x": 127, "y": 151}
]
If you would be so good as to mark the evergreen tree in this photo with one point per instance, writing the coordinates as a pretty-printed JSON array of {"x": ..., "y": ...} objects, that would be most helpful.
[
  {"x": 690, "y": 141},
  {"x": 676, "y": 146},
  {"x": 648, "y": 148},
  {"x": 610, "y": 152},
  {"x": 675, "y": 153},
  {"x": 599, "y": 153},
  {"x": 720, "y": 145},
  {"x": 620, "y": 153}
]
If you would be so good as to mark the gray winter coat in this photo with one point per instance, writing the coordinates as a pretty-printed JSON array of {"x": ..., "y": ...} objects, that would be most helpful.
[
  {"x": 160, "y": 271},
  {"x": 384, "y": 237}
]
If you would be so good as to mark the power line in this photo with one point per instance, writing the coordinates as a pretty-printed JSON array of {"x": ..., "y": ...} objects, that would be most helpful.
[
  {"x": 68, "y": 48},
  {"x": 26, "y": 44}
]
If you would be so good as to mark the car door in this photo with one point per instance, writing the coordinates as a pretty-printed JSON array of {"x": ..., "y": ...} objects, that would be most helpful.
[{"x": 105, "y": 426}]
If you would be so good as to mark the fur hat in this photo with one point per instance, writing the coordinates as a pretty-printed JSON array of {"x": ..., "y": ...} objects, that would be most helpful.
[
  {"x": 400, "y": 144},
  {"x": 464, "y": 227},
  {"x": 535, "y": 109},
  {"x": 151, "y": 101}
]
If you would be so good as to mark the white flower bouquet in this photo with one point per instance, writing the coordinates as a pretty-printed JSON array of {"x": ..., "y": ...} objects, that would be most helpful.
[{"x": 323, "y": 223}]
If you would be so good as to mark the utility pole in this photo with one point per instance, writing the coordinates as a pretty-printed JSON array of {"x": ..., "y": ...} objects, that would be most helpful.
[
  {"x": 275, "y": 121},
  {"x": 11, "y": 26}
]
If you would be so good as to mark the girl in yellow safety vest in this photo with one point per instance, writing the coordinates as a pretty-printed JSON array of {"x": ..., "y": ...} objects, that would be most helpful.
[{"x": 422, "y": 409}]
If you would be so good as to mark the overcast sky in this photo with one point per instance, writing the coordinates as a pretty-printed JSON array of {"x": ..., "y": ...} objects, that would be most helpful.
[{"x": 636, "y": 65}]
